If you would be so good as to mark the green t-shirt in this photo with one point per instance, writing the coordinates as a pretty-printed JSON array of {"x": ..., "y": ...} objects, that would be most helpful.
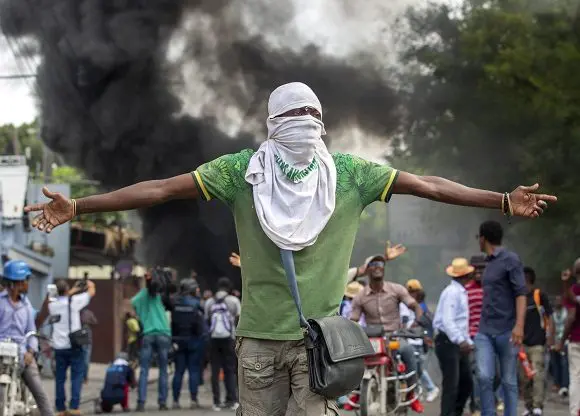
[
  {"x": 151, "y": 313},
  {"x": 268, "y": 310}
]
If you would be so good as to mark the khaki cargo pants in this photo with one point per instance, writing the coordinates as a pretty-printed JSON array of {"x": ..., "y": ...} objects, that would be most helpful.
[
  {"x": 534, "y": 389},
  {"x": 273, "y": 380}
]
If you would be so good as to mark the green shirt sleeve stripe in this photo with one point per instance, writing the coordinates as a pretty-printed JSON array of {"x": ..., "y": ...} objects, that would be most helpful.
[
  {"x": 388, "y": 191},
  {"x": 204, "y": 193}
]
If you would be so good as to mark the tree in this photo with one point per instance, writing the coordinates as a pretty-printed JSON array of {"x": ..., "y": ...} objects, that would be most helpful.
[
  {"x": 23, "y": 140},
  {"x": 494, "y": 100}
]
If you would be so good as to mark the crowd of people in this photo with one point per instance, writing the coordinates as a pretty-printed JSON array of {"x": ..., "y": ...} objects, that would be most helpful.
[
  {"x": 491, "y": 324},
  {"x": 199, "y": 330}
]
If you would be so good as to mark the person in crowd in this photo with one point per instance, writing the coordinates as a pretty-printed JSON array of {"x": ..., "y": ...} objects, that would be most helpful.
[
  {"x": 559, "y": 359},
  {"x": 474, "y": 289},
  {"x": 380, "y": 304},
  {"x": 133, "y": 337},
  {"x": 222, "y": 313},
  {"x": 150, "y": 309},
  {"x": 187, "y": 329},
  {"x": 68, "y": 306},
  {"x": 327, "y": 193},
  {"x": 452, "y": 342},
  {"x": 359, "y": 274},
  {"x": 351, "y": 291},
  {"x": 501, "y": 328},
  {"x": 119, "y": 378},
  {"x": 538, "y": 334},
  {"x": 415, "y": 289},
  {"x": 572, "y": 334},
  {"x": 16, "y": 320},
  {"x": 88, "y": 321}
]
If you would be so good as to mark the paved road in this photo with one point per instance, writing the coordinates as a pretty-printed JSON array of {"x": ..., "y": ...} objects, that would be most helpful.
[{"x": 554, "y": 405}]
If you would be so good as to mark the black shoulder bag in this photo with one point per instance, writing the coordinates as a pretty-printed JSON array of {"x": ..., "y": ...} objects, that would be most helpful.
[
  {"x": 335, "y": 346},
  {"x": 78, "y": 338}
]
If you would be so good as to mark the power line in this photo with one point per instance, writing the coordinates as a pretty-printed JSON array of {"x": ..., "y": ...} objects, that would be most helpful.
[{"x": 17, "y": 76}]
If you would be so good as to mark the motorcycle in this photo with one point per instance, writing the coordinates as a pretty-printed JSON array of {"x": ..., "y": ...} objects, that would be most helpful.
[
  {"x": 15, "y": 399},
  {"x": 385, "y": 388}
]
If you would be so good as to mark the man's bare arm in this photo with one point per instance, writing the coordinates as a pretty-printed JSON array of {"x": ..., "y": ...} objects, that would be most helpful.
[
  {"x": 141, "y": 195},
  {"x": 524, "y": 199}
]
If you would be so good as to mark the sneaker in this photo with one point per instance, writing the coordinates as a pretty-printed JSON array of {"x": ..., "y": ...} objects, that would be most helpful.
[
  {"x": 234, "y": 406},
  {"x": 140, "y": 407},
  {"x": 537, "y": 411},
  {"x": 527, "y": 412},
  {"x": 176, "y": 406},
  {"x": 163, "y": 407},
  {"x": 432, "y": 395},
  {"x": 194, "y": 404},
  {"x": 216, "y": 408},
  {"x": 415, "y": 405},
  {"x": 563, "y": 392}
]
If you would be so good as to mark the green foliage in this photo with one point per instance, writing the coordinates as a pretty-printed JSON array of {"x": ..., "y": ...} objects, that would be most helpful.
[
  {"x": 495, "y": 101},
  {"x": 26, "y": 136}
]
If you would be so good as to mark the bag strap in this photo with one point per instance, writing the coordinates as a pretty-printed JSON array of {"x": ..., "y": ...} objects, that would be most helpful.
[
  {"x": 69, "y": 315},
  {"x": 288, "y": 264}
]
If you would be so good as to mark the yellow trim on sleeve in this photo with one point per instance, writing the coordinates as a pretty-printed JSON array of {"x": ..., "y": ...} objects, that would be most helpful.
[
  {"x": 202, "y": 186},
  {"x": 389, "y": 185}
]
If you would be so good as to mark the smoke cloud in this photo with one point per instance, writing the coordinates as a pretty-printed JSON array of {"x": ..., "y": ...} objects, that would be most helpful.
[{"x": 131, "y": 90}]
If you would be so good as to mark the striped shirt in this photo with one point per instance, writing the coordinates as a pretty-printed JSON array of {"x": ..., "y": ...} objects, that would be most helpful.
[{"x": 475, "y": 300}]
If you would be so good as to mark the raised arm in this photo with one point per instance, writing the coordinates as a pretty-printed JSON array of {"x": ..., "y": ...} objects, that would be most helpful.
[
  {"x": 524, "y": 200},
  {"x": 141, "y": 195}
]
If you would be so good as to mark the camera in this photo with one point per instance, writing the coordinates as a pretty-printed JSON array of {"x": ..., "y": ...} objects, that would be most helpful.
[{"x": 160, "y": 281}]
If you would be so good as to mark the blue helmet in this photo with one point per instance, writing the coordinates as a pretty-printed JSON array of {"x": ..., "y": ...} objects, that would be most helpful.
[{"x": 16, "y": 270}]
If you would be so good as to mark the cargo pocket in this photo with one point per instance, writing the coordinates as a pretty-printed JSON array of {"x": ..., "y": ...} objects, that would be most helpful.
[
  {"x": 238, "y": 345},
  {"x": 303, "y": 362},
  {"x": 331, "y": 408},
  {"x": 258, "y": 372}
]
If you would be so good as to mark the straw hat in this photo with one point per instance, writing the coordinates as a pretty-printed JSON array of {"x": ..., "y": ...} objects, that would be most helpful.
[
  {"x": 459, "y": 267},
  {"x": 413, "y": 285},
  {"x": 353, "y": 289}
]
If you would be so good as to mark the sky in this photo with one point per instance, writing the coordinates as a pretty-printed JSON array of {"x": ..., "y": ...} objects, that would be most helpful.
[{"x": 17, "y": 103}]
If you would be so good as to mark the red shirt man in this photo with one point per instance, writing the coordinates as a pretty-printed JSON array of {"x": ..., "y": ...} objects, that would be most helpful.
[{"x": 475, "y": 294}]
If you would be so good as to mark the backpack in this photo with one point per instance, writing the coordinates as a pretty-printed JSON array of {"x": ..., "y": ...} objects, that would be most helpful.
[
  {"x": 538, "y": 301},
  {"x": 221, "y": 320}
]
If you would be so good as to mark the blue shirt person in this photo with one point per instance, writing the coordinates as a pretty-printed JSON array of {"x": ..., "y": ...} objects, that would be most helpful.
[
  {"x": 16, "y": 320},
  {"x": 502, "y": 320}
]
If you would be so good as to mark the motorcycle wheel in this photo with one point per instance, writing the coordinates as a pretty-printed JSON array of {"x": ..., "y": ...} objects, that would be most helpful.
[{"x": 370, "y": 397}]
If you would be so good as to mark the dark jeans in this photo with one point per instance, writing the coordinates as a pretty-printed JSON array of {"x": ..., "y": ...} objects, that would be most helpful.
[
  {"x": 407, "y": 352},
  {"x": 161, "y": 344},
  {"x": 559, "y": 368},
  {"x": 457, "y": 378},
  {"x": 223, "y": 357},
  {"x": 188, "y": 357},
  {"x": 75, "y": 359},
  {"x": 87, "y": 349}
]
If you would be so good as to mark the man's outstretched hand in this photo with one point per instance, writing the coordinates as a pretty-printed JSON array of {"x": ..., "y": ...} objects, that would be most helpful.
[
  {"x": 527, "y": 203},
  {"x": 53, "y": 213}
]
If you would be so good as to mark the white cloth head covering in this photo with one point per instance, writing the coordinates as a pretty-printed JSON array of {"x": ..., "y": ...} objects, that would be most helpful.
[{"x": 293, "y": 175}]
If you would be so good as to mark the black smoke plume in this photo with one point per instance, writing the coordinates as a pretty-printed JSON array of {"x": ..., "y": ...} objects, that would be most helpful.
[{"x": 106, "y": 93}]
